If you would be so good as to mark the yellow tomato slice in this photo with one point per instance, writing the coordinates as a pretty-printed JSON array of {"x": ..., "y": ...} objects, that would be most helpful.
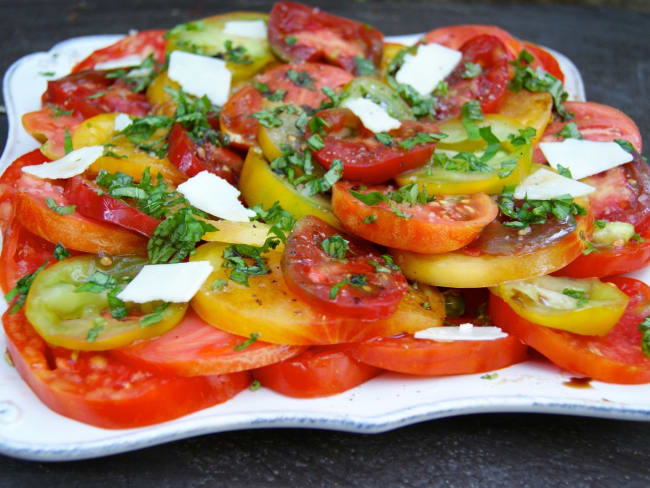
[
  {"x": 587, "y": 306},
  {"x": 251, "y": 233},
  {"x": 458, "y": 270},
  {"x": 268, "y": 308},
  {"x": 158, "y": 97},
  {"x": 530, "y": 109},
  {"x": 133, "y": 161},
  {"x": 260, "y": 185},
  {"x": 65, "y": 316}
]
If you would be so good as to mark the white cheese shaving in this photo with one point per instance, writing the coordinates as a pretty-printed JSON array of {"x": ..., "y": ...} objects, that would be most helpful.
[
  {"x": 544, "y": 184},
  {"x": 121, "y": 122},
  {"x": 125, "y": 62},
  {"x": 372, "y": 116},
  {"x": 584, "y": 158},
  {"x": 463, "y": 332},
  {"x": 201, "y": 75},
  {"x": 214, "y": 195},
  {"x": 431, "y": 64},
  {"x": 254, "y": 29},
  {"x": 72, "y": 164},
  {"x": 177, "y": 282}
]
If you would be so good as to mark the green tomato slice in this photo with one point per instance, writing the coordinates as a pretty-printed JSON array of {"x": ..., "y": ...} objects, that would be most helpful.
[{"x": 380, "y": 93}]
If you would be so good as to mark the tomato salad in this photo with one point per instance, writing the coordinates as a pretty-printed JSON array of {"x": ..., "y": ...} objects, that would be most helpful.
[{"x": 287, "y": 201}]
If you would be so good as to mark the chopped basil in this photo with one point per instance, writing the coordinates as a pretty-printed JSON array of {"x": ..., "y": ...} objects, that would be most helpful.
[
  {"x": 218, "y": 284},
  {"x": 644, "y": 327},
  {"x": 60, "y": 209},
  {"x": 301, "y": 78},
  {"x": 563, "y": 171},
  {"x": 248, "y": 342},
  {"x": 290, "y": 40},
  {"x": 93, "y": 333},
  {"x": 273, "y": 96},
  {"x": 155, "y": 316},
  {"x": 470, "y": 112},
  {"x": 579, "y": 295},
  {"x": 336, "y": 246},
  {"x": 176, "y": 236},
  {"x": 370, "y": 219},
  {"x": 237, "y": 55},
  {"x": 569, "y": 131},
  {"x": 358, "y": 281},
  {"x": 364, "y": 66},
  {"x": 96, "y": 95},
  {"x": 19, "y": 292},
  {"x": 601, "y": 224},
  {"x": 67, "y": 141},
  {"x": 589, "y": 249},
  {"x": 58, "y": 112},
  {"x": 524, "y": 137},
  {"x": 60, "y": 252},
  {"x": 255, "y": 385},
  {"x": 420, "y": 138},
  {"x": 384, "y": 137},
  {"x": 472, "y": 70}
]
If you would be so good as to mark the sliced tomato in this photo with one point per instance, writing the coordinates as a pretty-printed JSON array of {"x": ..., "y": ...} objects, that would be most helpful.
[
  {"x": 85, "y": 196},
  {"x": 236, "y": 116},
  {"x": 195, "y": 348},
  {"x": 100, "y": 390},
  {"x": 13, "y": 173},
  {"x": 269, "y": 308},
  {"x": 300, "y": 33},
  {"x": 455, "y": 36},
  {"x": 346, "y": 284},
  {"x": 614, "y": 358},
  {"x": 406, "y": 354},
  {"x": 47, "y": 127},
  {"x": 91, "y": 93},
  {"x": 595, "y": 122},
  {"x": 141, "y": 43},
  {"x": 364, "y": 157},
  {"x": 192, "y": 158},
  {"x": 489, "y": 87},
  {"x": 73, "y": 231},
  {"x": 440, "y": 226},
  {"x": 317, "y": 372}
]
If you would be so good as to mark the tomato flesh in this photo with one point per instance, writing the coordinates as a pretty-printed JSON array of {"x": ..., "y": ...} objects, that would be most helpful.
[
  {"x": 195, "y": 348},
  {"x": 317, "y": 372},
  {"x": 321, "y": 37},
  {"x": 364, "y": 157},
  {"x": 310, "y": 272},
  {"x": 435, "y": 227},
  {"x": 99, "y": 390},
  {"x": 50, "y": 129}
]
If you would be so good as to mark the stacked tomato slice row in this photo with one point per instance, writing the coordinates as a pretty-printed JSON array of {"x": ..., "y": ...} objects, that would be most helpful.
[{"x": 386, "y": 242}]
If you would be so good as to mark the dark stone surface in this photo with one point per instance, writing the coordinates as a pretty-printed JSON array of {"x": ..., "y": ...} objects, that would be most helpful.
[{"x": 612, "y": 51}]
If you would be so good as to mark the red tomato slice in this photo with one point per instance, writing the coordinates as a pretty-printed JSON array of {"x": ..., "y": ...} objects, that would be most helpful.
[
  {"x": 311, "y": 273},
  {"x": 300, "y": 33},
  {"x": 48, "y": 128},
  {"x": 141, "y": 43},
  {"x": 595, "y": 122},
  {"x": 440, "y": 226},
  {"x": 317, "y": 372},
  {"x": 100, "y": 390},
  {"x": 236, "y": 116},
  {"x": 489, "y": 88},
  {"x": 90, "y": 93},
  {"x": 364, "y": 157},
  {"x": 73, "y": 231},
  {"x": 195, "y": 348},
  {"x": 614, "y": 358},
  {"x": 405, "y": 354},
  {"x": 191, "y": 158},
  {"x": 455, "y": 36},
  {"x": 90, "y": 203}
]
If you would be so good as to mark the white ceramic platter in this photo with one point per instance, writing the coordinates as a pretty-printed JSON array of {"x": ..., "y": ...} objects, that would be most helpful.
[{"x": 30, "y": 430}]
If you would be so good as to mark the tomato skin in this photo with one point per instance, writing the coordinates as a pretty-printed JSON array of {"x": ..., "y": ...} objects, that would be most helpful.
[
  {"x": 141, "y": 43},
  {"x": 489, "y": 88},
  {"x": 49, "y": 129},
  {"x": 405, "y": 354},
  {"x": 364, "y": 157},
  {"x": 311, "y": 273},
  {"x": 317, "y": 372},
  {"x": 614, "y": 358},
  {"x": 83, "y": 194},
  {"x": 73, "y": 231},
  {"x": 191, "y": 159},
  {"x": 78, "y": 91},
  {"x": 99, "y": 390},
  {"x": 455, "y": 36},
  {"x": 322, "y": 37},
  {"x": 427, "y": 231},
  {"x": 235, "y": 118},
  {"x": 195, "y": 348}
]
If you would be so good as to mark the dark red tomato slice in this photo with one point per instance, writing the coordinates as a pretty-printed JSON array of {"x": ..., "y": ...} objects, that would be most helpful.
[
  {"x": 364, "y": 157},
  {"x": 141, "y": 43},
  {"x": 73, "y": 231},
  {"x": 345, "y": 284},
  {"x": 48, "y": 128},
  {"x": 455, "y": 36},
  {"x": 614, "y": 358},
  {"x": 406, "y": 354},
  {"x": 489, "y": 88},
  {"x": 90, "y": 93},
  {"x": 443, "y": 225},
  {"x": 236, "y": 116},
  {"x": 192, "y": 158},
  {"x": 317, "y": 372},
  {"x": 300, "y": 33},
  {"x": 14, "y": 173},
  {"x": 195, "y": 348},
  {"x": 85, "y": 196},
  {"x": 100, "y": 390},
  {"x": 595, "y": 122}
]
